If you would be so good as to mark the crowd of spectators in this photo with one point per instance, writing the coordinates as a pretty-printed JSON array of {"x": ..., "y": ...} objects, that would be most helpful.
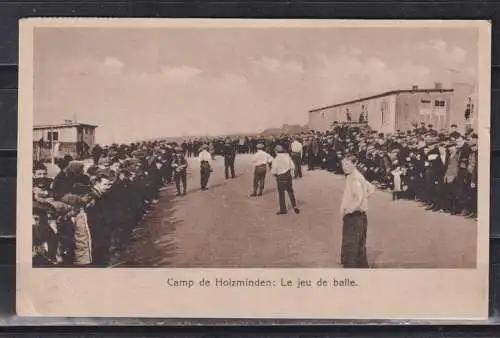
[
  {"x": 436, "y": 168},
  {"x": 87, "y": 212}
]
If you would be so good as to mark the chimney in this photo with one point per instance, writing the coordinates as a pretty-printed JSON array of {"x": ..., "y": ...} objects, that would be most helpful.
[
  {"x": 414, "y": 87},
  {"x": 438, "y": 85}
]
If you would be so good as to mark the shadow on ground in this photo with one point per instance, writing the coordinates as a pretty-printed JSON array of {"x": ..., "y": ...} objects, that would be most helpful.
[{"x": 152, "y": 242}]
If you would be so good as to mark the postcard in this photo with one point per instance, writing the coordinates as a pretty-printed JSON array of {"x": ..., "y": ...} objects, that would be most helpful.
[{"x": 271, "y": 169}]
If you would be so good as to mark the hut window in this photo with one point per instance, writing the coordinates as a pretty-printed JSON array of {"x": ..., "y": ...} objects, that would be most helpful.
[
  {"x": 53, "y": 136},
  {"x": 440, "y": 107},
  {"x": 439, "y": 103}
]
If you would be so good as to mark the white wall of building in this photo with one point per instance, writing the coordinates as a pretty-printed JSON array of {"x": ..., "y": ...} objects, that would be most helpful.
[
  {"x": 66, "y": 134},
  {"x": 381, "y": 114}
]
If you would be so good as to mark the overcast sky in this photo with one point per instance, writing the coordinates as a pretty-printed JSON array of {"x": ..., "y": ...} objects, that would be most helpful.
[{"x": 142, "y": 83}]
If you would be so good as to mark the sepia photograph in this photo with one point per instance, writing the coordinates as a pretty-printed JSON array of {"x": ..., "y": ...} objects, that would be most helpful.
[{"x": 254, "y": 145}]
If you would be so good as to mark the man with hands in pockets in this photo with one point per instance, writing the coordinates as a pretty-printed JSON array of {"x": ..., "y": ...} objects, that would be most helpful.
[{"x": 353, "y": 209}]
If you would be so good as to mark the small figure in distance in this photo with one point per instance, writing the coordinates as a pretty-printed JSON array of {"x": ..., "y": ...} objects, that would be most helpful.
[
  {"x": 179, "y": 164},
  {"x": 205, "y": 159}
]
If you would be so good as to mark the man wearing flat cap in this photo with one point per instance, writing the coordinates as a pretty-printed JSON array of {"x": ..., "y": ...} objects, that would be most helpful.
[
  {"x": 205, "y": 159},
  {"x": 454, "y": 134},
  {"x": 463, "y": 185},
  {"x": 282, "y": 167},
  {"x": 261, "y": 161},
  {"x": 312, "y": 152},
  {"x": 98, "y": 207},
  {"x": 472, "y": 176},
  {"x": 440, "y": 165},
  {"x": 44, "y": 239},
  {"x": 40, "y": 177},
  {"x": 75, "y": 234},
  {"x": 179, "y": 164},
  {"x": 296, "y": 153},
  {"x": 229, "y": 152}
]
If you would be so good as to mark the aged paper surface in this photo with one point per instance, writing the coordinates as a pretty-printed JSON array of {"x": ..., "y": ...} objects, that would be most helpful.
[{"x": 299, "y": 169}]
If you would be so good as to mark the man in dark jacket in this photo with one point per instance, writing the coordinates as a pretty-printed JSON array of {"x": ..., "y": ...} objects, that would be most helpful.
[
  {"x": 97, "y": 212},
  {"x": 440, "y": 165},
  {"x": 229, "y": 156},
  {"x": 473, "y": 178},
  {"x": 312, "y": 153},
  {"x": 454, "y": 134},
  {"x": 463, "y": 183},
  {"x": 97, "y": 152},
  {"x": 179, "y": 165}
]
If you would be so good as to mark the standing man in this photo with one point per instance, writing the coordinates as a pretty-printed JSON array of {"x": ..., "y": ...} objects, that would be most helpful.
[
  {"x": 450, "y": 179},
  {"x": 353, "y": 210},
  {"x": 441, "y": 166},
  {"x": 472, "y": 179},
  {"x": 282, "y": 167},
  {"x": 463, "y": 149},
  {"x": 296, "y": 151},
  {"x": 96, "y": 154},
  {"x": 98, "y": 221},
  {"x": 229, "y": 152},
  {"x": 261, "y": 161},
  {"x": 184, "y": 147},
  {"x": 454, "y": 132},
  {"x": 179, "y": 165},
  {"x": 167, "y": 170},
  {"x": 211, "y": 148},
  {"x": 313, "y": 152},
  {"x": 205, "y": 159}
]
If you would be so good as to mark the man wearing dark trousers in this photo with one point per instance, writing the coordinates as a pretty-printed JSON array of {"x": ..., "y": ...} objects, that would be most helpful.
[
  {"x": 205, "y": 159},
  {"x": 282, "y": 168},
  {"x": 98, "y": 220},
  {"x": 179, "y": 165},
  {"x": 463, "y": 185},
  {"x": 353, "y": 209},
  {"x": 229, "y": 157},
  {"x": 296, "y": 153},
  {"x": 472, "y": 179},
  {"x": 312, "y": 153},
  {"x": 261, "y": 161},
  {"x": 441, "y": 164}
]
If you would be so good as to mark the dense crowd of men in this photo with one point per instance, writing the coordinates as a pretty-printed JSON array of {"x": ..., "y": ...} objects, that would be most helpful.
[{"x": 85, "y": 214}]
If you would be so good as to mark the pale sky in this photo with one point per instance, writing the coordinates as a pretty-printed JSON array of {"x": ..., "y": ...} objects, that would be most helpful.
[{"x": 154, "y": 82}]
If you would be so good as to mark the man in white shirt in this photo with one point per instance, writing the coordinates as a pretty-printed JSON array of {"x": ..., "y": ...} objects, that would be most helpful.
[
  {"x": 353, "y": 210},
  {"x": 296, "y": 152},
  {"x": 282, "y": 167},
  {"x": 205, "y": 159},
  {"x": 260, "y": 162}
]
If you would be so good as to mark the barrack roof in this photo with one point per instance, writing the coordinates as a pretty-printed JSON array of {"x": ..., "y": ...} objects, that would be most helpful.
[
  {"x": 63, "y": 125},
  {"x": 392, "y": 92}
]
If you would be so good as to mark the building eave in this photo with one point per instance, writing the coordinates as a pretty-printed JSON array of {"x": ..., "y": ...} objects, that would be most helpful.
[
  {"x": 389, "y": 93},
  {"x": 64, "y": 125}
]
